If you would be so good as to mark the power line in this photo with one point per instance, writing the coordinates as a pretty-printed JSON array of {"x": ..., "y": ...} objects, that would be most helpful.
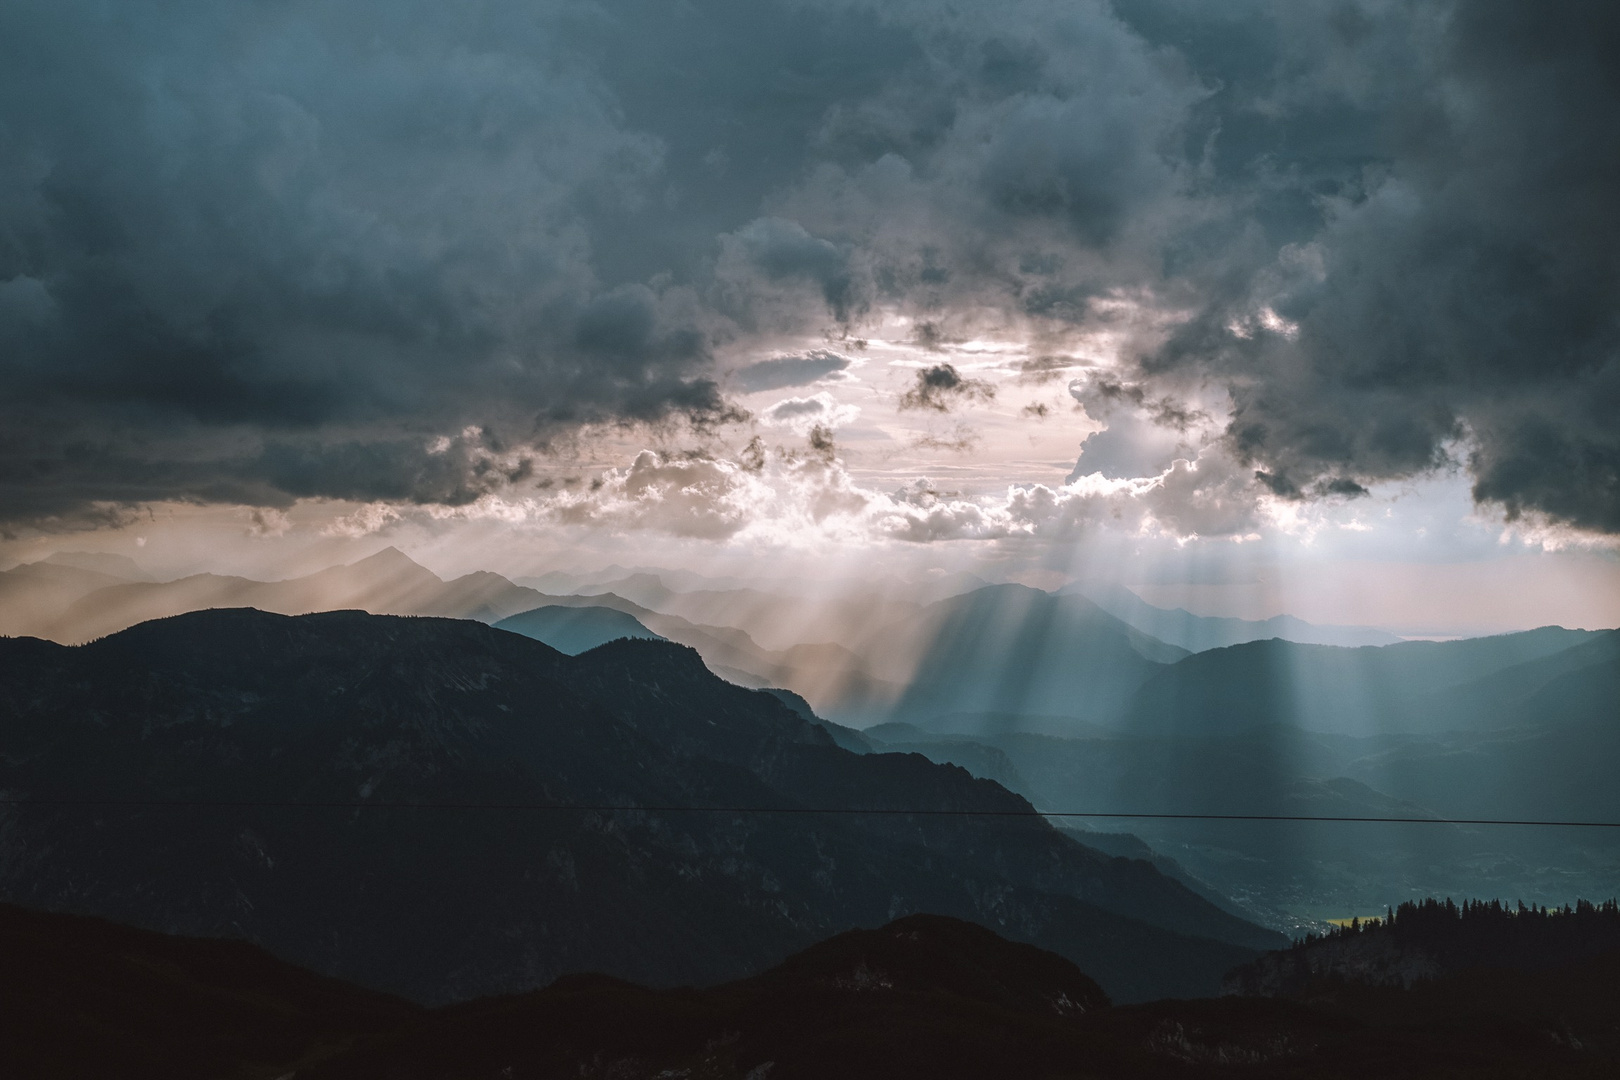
[{"x": 357, "y": 804}]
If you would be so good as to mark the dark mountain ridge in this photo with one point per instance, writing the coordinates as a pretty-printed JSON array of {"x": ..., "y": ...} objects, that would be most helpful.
[
  {"x": 924, "y": 996},
  {"x": 330, "y": 786},
  {"x": 87, "y": 997}
]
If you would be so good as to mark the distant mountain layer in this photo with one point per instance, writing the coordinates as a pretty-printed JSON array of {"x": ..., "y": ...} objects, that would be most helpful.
[
  {"x": 1197, "y": 633},
  {"x": 329, "y": 786},
  {"x": 118, "y": 566},
  {"x": 995, "y": 659},
  {"x": 1415, "y": 686},
  {"x": 72, "y": 604},
  {"x": 921, "y": 998},
  {"x": 1013, "y": 650},
  {"x": 574, "y": 630},
  {"x": 1521, "y": 727}
]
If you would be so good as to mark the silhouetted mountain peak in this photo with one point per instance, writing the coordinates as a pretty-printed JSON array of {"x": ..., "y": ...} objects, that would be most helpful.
[
  {"x": 650, "y": 658},
  {"x": 117, "y": 566},
  {"x": 390, "y": 562},
  {"x": 1016, "y": 651}
]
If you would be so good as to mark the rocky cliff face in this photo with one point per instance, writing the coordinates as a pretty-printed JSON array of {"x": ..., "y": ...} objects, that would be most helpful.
[{"x": 442, "y": 809}]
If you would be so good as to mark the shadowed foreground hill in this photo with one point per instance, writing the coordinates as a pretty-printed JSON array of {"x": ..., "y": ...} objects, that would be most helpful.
[
  {"x": 923, "y": 997},
  {"x": 86, "y": 997},
  {"x": 436, "y": 808}
]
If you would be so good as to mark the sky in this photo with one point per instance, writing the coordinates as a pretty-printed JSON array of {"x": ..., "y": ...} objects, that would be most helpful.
[{"x": 1254, "y": 307}]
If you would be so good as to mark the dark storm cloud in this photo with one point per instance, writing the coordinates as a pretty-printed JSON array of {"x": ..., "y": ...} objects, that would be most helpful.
[
  {"x": 255, "y": 252},
  {"x": 941, "y": 388},
  {"x": 781, "y": 372},
  {"x": 1433, "y": 268}
]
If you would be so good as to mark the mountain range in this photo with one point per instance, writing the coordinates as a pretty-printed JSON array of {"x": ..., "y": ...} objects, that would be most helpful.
[
  {"x": 862, "y": 657},
  {"x": 441, "y": 809},
  {"x": 71, "y": 604},
  {"x": 1070, "y": 706},
  {"x": 1520, "y": 727},
  {"x": 1410, "y": 687},
  {"x": 1197, "y": 633}
]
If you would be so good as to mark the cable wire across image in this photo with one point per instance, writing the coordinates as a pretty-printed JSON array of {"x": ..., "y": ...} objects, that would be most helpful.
[{"x": 359, "y": 804}]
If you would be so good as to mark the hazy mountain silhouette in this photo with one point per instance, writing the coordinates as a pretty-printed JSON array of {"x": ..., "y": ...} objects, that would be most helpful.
[
  {"x": 1365, "y": 691},
  {"x": 71, "y": 604},
  {"x": 574, "y": 630},
  {"x": 1197, "y": 633},
  {"x": 1579, "y": 684},
  {"x": 835, "y": 678},
  {"x": 1017, "y": 651},
  {"x": 388, "y": 581},
  {"x": 774, "y": 618},
  {"x": 118, "y": 566},
  {"x": 1519, "y": 726},
  {"x": 33, "y": 595},
  {"x": 271, "y": 728}
]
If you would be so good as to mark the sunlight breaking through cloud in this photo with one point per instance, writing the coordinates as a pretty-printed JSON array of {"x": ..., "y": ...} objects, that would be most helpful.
[{"x": 787, "y": 498}]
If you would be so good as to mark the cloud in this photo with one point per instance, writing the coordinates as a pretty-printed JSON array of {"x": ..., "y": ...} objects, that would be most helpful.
[
  {"x": 771, "y": 265},
  {"x": 690, "y": 495},
  {"x": 1044, "y": 369},
  {"x": 1430, "y": 277},
  {"x": 368, "y": 519},
  {"x": 781, "y": 372},
  {"x": 256, "y": 253},
  {"x": 239, "y": 244},
  {"x": 803, "y": 414},
  {"x": 776, "y": 498},
  {"x": 941, "y": 388},
  {"x": 266, "y": 523},
  {"x": 789, "y": 498},
  {"x": 1129, "y": 446}
]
